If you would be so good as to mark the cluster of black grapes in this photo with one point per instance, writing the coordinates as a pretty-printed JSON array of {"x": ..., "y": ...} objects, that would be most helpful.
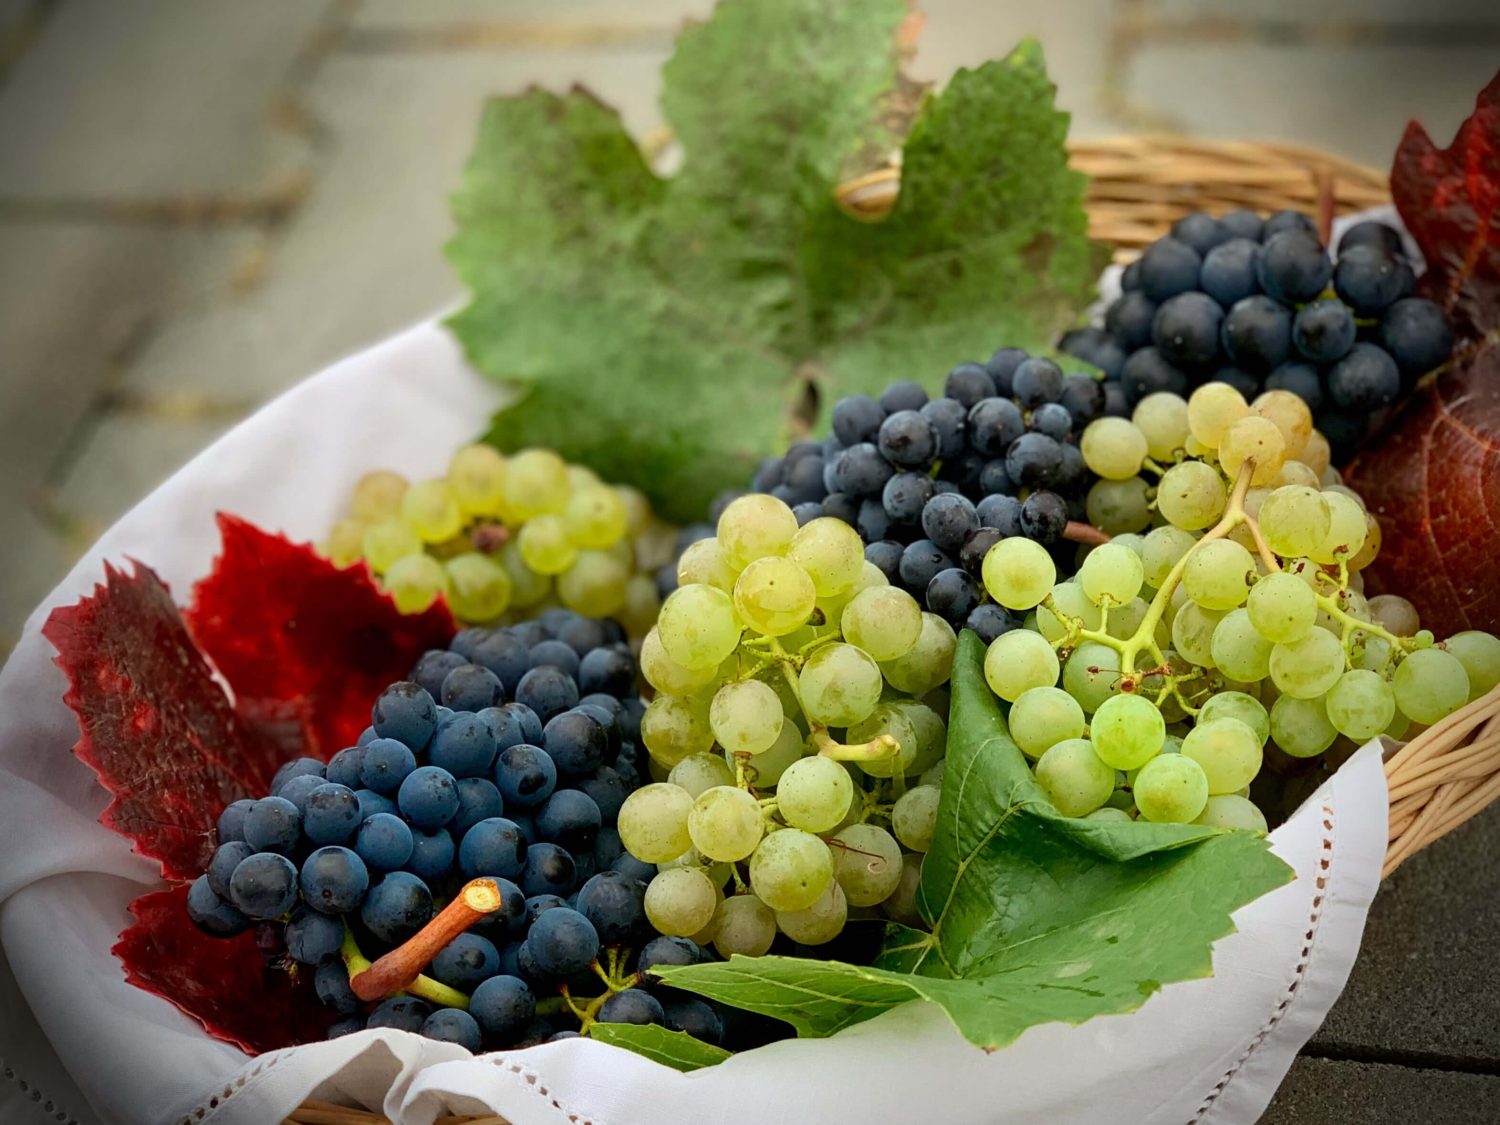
[
  {"x": 507, "y": 756},
  {"x": 1260, "y": 304},
  {"x": 931, "y": 483}
]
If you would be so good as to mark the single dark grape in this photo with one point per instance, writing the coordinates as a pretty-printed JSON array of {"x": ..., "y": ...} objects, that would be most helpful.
[
  {"x": 576, "y": 742},
  {"x": 1257, "y": 333},
  {"x": 608, "y": 671},
  {"x": 1365, "y": 379},
  {"x": 952, "y": 595},
  {"x": 1370, "y": 280},
  {"x": 1186, "y": 329},
  {"x": 570, "y": 818},
  {"x": 1148, "y": 372},
  {"x": 1001, "y": 512},
  {"x": 384, "y": 842},
  {"x": 492, "y": 847},
  {"x": 694, "y": 1017},
  {"x": 1169, "y": 267},
  {"x": 1033, "y": 460},
  {"x": 1293, "y": 267},
  {"x": 213, "y": 914},
  {"x": 1053, "y": 420},
  {"x": 331, "y": 983},
  {"x": 343, "y": 767},
  {"x": 263, "y": 885},
  {"x": 1002, "y": 368},
  {"x": 1243, "y": 224},
  {"x": 993, "y": 424},
  {"x": 905, "y": 394},
  {"x": 472, "y": 687},
  {"x": 994, "y": 479},
  {"x": 371, "y": 803},
  {"x": 906, "y": 495},
  {"x": 312, "y": 937},
  {"x": 949, "y": 421},
  {"x": 1229, "y": 271},
  {"x": 615, "y": 904},
  {"x": 453, "y": 1025},
  {"x": 920, "y": 562},
  {"x": 968, "y": 383},
  {"x": 231, "y": 823},
  {"x": 634, "y": 1005},
  {"x": 1083, "y": 398},
  {"x": 1044, "y": 517},
  {"x": 273, "y": 824},
  {"x": 860, "y": 470},
  {"x": 1285, "y": 221},
  {"x": 908, "y": 440},
  {"x": 990, "y": 621},
  {"x": 948, "y": 520},
  {"x": 502, "y": 1006},
  {"x": 1415, "y": 333},
  {"x": 549, "y": 869},
  {"x": 290, "y": 771},
  {"x": 225, "y": 859},
  {"x": 1324, "y": 330},
  {"x": 1129, "y": 319},
  {"x": 433, "y": 667},
  {"x": 1116, "y": 404},
  {"x": 1371, "y": 232},
  {"x": 1200, "y": 231},
  {"x": 1036, "y": 380},
  {"x": 562, "y": 941},
  {"x": 1299, "y": 378},
  {"x": 1130, "y": 277},
  {"x": 976, "y": 546},
  {"x": 839, "y": 507},
  {"x": 330, "y": 814},
  {"x": 432, "y": 854},
  {"x": 1095, "y": 346},
  {"x": 885, "y": 554},
  {"x": 548, "y": 691},
  {"x": 873, "y": 521},
  {"x": 465, "y": 962}
]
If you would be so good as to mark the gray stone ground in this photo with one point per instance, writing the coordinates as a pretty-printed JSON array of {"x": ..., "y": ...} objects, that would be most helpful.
[{"x": 203, "y": 201}]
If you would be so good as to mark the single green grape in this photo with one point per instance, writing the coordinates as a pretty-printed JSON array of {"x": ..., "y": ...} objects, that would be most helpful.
[
  {"x": 594, "y": 517},
  {"x": 764, "y": 770},
  {"x": 1092, "y": 675},
  {"x": 1430, "y": 684},
  {"x": 680, "y": 901},
  {"x": 1162, "y": 419},
  {"x": 725, "y": 823},
  {"x": 1239, "y": 651},
  {"x": 377, "y": 496},
  {"x": 774, "y": 596},
  {"x": 1171, "y": 788},
  {"x": 1229, "y": 752},
  {"x": 886, "y": 719},
  {"x": 653, "y": 822},
  {"x": 1253, "y": 437},
  {"x": 1237, "y": 705},
  {"x": 1479, "y": 653},
  {"x": 698, "y": 626},
  {"x": 432, "y": 511},
  {"x": 1160, "y": 552},
  {"x": 1191, "y": 495},
  {"x": 839, "y": 685},
  {"x": 1294, "y": 519},
  {"x": 1018, "y": 661},
  {"x": 1301, "y": 727},
  {"x": 866, "y": 862},
  {"x": 1068, "y": 601},
  {"x": 698, "y": 772},
  {"x": 831, "y": 552},
  {"x": 545, "y": 546},
  {"x": 1347, "y": 529},
  {"x": 819, "y": 923},
  {"x": 476, "y": 474},
  {"x": 527, "y": 587},
  {"x": 415, "y": 582},
  {"x": 595, "y": 585},
  {"x": 536, "y": 484},
  {"x": 1229, "y": 810},
  {"x": 884, "y": 621},
  {"x": 790, "y": 869},
  {"x": 929, "y": 663},
  {"x": 814, "y": 794},
  {"x": 1127, "y": 731},
  {"x": 1307, "y": 668},
  {"x": 1111, "y": 574},
  {"x": 666, "y": 675},
  {"x": 478, "y": 587},
  {"x": 1042, "y": 717},
  {"x": 1107, "y": 814},
  {"x": 1119, "y": 506},
  {"x": 914, "y": 817},
  {"x": 746, "y": 717},
  {"x": 754, "y": 527},
  {"x": 1361, "y": 704},
  {"x": 674, "y": 726},
  {"x": 1018, "y": 573},
  {"x": 1212, "y": 409},
  {"x": 345, "y": 543},
  {"x": 932, "y": 733},
  {"x": 1193, "y": 632},
  {"x": 1113, "y": 448},
  {"x": 1282, "y": 608},
  {"x": 744, "y": 925},
  {"x": 1076, "y": 780},
  {"x": 1218, "y": 574},
  {"x": 387, "y": 541}
]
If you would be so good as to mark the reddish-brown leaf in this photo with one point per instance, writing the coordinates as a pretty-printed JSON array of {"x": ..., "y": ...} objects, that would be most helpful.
[
  {"x": 307, "y": 646},
  {"x": 156, "y": 727},
  {"x": 1450, "y": 201},
  {"x": 223, "y": 983},
  {"x": 1434, "y": 484}
]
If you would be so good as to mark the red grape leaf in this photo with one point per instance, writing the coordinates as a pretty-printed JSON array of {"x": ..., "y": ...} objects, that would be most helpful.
[
  {"x": 156, "y": 728},
  {"x": 1450, "y": 201},
  {"x": 223, "y": 983},
  {"x": 1434, "y": 484},
  {"x": 306, "y": 645}
]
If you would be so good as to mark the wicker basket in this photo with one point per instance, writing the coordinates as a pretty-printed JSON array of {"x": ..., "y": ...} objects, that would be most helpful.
[{"x": 1138, "y": 186}]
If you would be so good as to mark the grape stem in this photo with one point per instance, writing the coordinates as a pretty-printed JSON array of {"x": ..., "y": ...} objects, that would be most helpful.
[
  {"x": 421, "y": 986},
  {"x": 881, "y": 746},
  {"x": 1079, "y": 532}
]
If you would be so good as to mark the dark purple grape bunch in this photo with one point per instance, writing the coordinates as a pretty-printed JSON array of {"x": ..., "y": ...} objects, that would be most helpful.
[
  {"x": 1261, "y": 305},
  {"x": 507, "y": 755},
  {"x": 931, "y": 483}
]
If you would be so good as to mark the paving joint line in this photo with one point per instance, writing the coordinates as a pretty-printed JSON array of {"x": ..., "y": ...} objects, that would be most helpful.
[{"x": 1407, "y": 1059}]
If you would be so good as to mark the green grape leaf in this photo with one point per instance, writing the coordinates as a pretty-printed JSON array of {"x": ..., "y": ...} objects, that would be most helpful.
[
  {"x": 670, "y": 332},
  {"x": 676, "y": 1049},
  {"x": 1034, "y": 917}
]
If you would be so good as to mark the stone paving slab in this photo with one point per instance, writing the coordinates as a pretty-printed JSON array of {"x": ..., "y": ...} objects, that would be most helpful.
[
  {"x": 363, "y": 257},
  {"x": 131, "y": 98},
  {"x": 33, "y": 560},
  {"x": 1354, "y": 101},
  {"x": 1353, "y": 15},
  {"x": 1328, "y": 1092},
  {"x": 1424, "y": 982},
  {"x": 403, "y": 14}
]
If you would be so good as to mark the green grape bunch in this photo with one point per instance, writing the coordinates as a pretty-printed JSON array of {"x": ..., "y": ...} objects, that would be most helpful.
[
  {"x": 1221, "y": 625},
  {"x": 501, "y": 537},
  {"x": 796, "y": 737}
]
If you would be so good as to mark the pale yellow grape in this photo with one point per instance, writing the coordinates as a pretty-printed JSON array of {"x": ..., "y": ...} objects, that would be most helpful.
[
  {"x": 698, "y": 626},
  {"x": 1192, "y": 495},
  {"x": 1193, "y": 633},
  {"x": 932, "y": 732},
  {"x": 346, "y": 541},
  {"x": 1075, "y": 779},
  {"x": 839, "y": 685},
  {"x": 414, "y": 582},
  {"x": 698, "y": 772},
  {"x": 755, "y": 527},
  {"x": 819, "y": 923},
  {"x": 1294, "y": 520},
  {"x": 1042, "y": 717},
  {"x": 1295, "y": 472},
  {"x": 914, "y": 817},
  {"x": 1229, "y": 752},
  {"x": 886, "y": 720},
  {"x": 1430, "y": 684},
  {"x": 653, "y": 823},
  {"x": 581, "y": 476},
  {"x": 1478, "y": 652},
  {"x": 1108, "y": 814},
  {"x": 774, "y": 596},
  {"x": 1317, "y": 453},
  {"x": 1160, "y": 552},
  {"x": 1237, "y": 705},
  {"x": 1229, "y": 810},
  {"x": 1111, "y": 574},
  {"x": 1162, "y": 419},
  {"x": 1092, "y": 675},
  {"x": 725, "y": 823},
  {"x": 536, "y": 483},
  {"x": 1218, "y": 574},
  {"x": 595, "y": 585},
  {"x": 867, "y": 863},
  {"x": 1113, "y": 448},
  {"x": 377, "y": 496},
  {"x": 478, "y": 586},
  {"x": 666, "y": 675},
  {"x": 901, "y": 904},
  {"x": 1253, "y": 437},
  {"x": 791, "y": 869},
  {"x": 743, "y": 924},
  {"x": 928, "y": 663},
  {"x": 704, "y": 562},
  {"x": 884, "y": 621},
  {"x": 1119, "y": 506},
  {"x": 1212, "y": 409},
  {"x": 675, "y": 726},
  {"x": 1171, "y": 788},
  {"x": 387, "y": 541},
  {"x": 764, "y": 770},
  {"x": 746, "y": 717},
  {"x": 1289, "y": 414},
  {"x": 1371, "y": 548},
  {"x": 545, "y": 546},
  {"x": 1360, "y": 705},
  {"x": 1239, "y": 651},
  {"x": 527, "y": 587},
  {"x": 1127, "y": 731},
  {"x": 1018, "y": 573},
  {"x": 1307, "y": 668},
  {"x": 1301, "y": 727},
  {"x": 680, "y": 901},
  {"x": 477, "y": 476},
  {"x": 1068, "y": 601},
  {"x": 594, "y": 516},
  {"x": 1018, "y": 661},
  {"x": 814, "y": 794},
  {"x": 642, "y": 604},
  {"x": 831, "y": 552},
  {"x": 1125, "y": 619},
  {"x": 1346, "y": 530},
  {"x": 1134, "y": 540}
]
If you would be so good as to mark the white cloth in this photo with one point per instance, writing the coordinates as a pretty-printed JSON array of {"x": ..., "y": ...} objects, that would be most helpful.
[{"x": 1204, "y": 1051}]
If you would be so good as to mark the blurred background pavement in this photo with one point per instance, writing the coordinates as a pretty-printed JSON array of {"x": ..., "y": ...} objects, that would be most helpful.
[{"x": 204, "y": 201}]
